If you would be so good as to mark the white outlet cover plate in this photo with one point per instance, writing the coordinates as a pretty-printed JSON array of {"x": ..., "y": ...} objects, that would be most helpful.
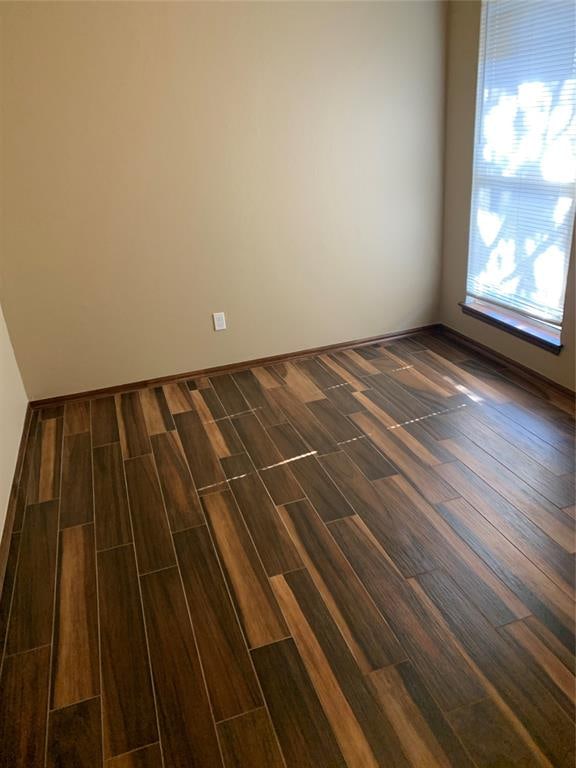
[{"x": 219, "y": 319}]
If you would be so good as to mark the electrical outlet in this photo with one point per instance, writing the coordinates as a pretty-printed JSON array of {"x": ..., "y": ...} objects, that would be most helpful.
[{"x": 219, "y": 319}]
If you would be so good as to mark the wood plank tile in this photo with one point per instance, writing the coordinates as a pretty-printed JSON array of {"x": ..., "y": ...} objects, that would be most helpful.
[
  {"x": 110, "y": 499},
  {"x": 8, "y": 586},
  {"x": 427, "y": 449},
  {"x": 76, "y": 501},
  {"x": 180, "y": 497},
  {"x": 557, "y": 489},
  {"x": 104, "y": 421},
  {"x": 373, "y": 402},
  {"x": 520, "y": 530},
  {"x": 75, "y": 736},
  {"x": 129, "y": 716},
  {"x": 354, "y": 363},
  {"x": 364, "y": 734},
  {"x": 231, "y": 682},
  {"x": 24, "y": 689},
  {"x": 269, "y": 535},
  {"x": 218, "y": 442},
  {"x": 230, "y": 396},
  {"x": 25, "y": 475},
  {"x": 202, "y": 460},
  {"x": 258, "y": 445},
  {"x": 539, "y": 630},
  {"x": 490, "y": 737},
  {"x": 200, "y": 382},
  {"x": 369, "y": 459},
  {"x": 425, "y": 390},
  {"x": 471, "y": 385},
  {"x": 257, "y": 397},
  {"x": 375, "y": 357},
  {"x": 425, "y": 734},
  {"x": 32, "y": 603},
  {"x": 75, "y": 663},
  {"x": 301, "y": 385},
  {"x": 257, "y": 610},
  {"x": 132, "y": 425},
  {"x": 267, "y": 377},
  {"x": 337, "y": 425},
  {"x": 249, "y": 741},
  {"x": 324, "y": 495},
  {"x": 545, "y": 664},
  {"x": 147, "y": 757},
  {"x": 368, "y": 635},
  {"x": 343, "y": 400},
  {"x": 433, "y": 651},
  {"x": 223, "y": 438},
  {"x": 156, "y": 411},
  {"x": 186, "y": 726},
  {"x": 532, "y": 703},
  {"x": 434, "y": 375},
  {"x": 449, "y": 349},
  {"x": 207, "y": 404},
  {"x": 52, "y": 412},
  {"x": 541, "y": 451},
  {"x": 538, "y": 509},
  {"x": 5, "y": 541},
  {"x": 179, "y": 397},
  {"x": 480, "y": 672},
  {"x": 304, "y": 421},
  {"x": 317, "y": 372},
  {"x": 394, "y": 355},
  {"x": 222, "y": 486},
  {"x": 44, "y": 478},
  {"x": 546, "y": 429},
  {"x": 396, "y": 400},
  {"x": 428, "y": 533},
  {"x": 288, "y": 441},
  {"x": 545, "y": 599},
  {"x": 237, "y": 465},
  {"x": 335, "y": 366},
  {"x": 149, "y": 521},
  {"x": 516, "y": 387},
  {"x": 389, "y": 513},
  {"x": 421, "y": 477},
  {"x": 250, "y": 387},
  {"x": 437, "y": 427},
  {"x": 281, "y": 484},
  {"x": 549, "y": 393},
  {"x": 76, "y": 417},
  {"x": 303, "y": 730}
]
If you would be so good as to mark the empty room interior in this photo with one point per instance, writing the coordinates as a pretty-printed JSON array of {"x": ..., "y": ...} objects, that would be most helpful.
[{"x": 287, "y": 373}]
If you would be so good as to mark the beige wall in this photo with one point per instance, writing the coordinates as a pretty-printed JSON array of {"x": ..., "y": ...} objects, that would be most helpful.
[
  {"x": 13, "y": 399},
  {"x": 462, "y": 56},
  {"x": 280, "y": 162},
  {"x": 13, "y": 402}
]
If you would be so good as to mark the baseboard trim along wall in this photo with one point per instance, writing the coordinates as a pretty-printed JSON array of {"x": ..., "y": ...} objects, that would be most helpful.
[
  {"x": 498, "y": 357},
  {"x": 437, "y": 328},
  {"x": 233, "y": 367}
]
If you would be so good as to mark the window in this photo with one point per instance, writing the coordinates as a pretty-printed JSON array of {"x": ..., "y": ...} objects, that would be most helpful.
[{"x": 524, "y": 175}]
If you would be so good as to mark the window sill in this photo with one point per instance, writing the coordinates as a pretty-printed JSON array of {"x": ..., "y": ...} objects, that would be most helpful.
[{"x": 530, "y": 331}]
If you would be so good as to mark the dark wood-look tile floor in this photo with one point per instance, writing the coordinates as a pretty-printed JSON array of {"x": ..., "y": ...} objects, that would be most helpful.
[{"x": 359, "y": 559}]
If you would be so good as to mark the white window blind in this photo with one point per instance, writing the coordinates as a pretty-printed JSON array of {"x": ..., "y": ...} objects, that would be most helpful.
[{"x": 524, "y": 178}]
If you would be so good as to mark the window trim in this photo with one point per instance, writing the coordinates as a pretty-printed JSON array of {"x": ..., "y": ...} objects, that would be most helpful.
[
  {"x": 514, "y": 323},
  {"x": 542, "y": 334}
]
